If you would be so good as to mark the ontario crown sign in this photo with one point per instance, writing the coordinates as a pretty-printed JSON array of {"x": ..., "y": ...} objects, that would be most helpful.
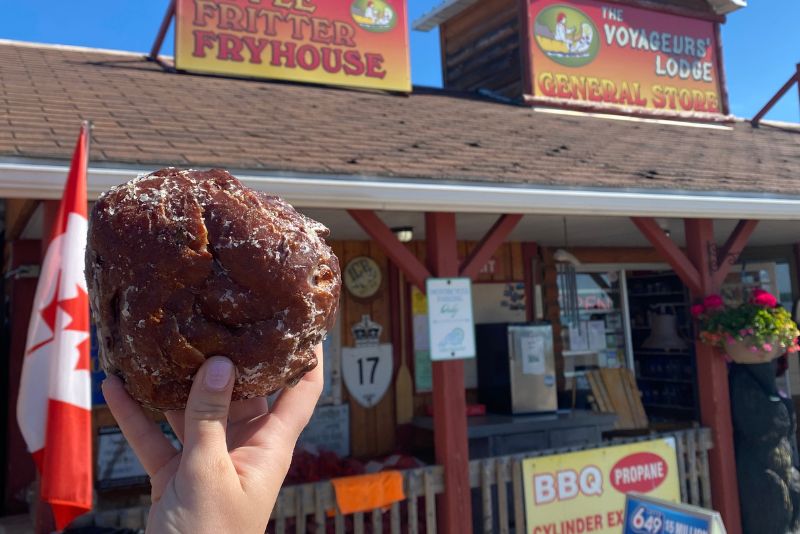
[
  {"x": 359, "y": 43},
  {"x": 603, "y": 54}
]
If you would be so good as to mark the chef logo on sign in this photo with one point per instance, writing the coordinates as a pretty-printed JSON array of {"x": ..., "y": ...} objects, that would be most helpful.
[
  {"x": 367, "y": 368},
  {"x": 566, "y": 35}
]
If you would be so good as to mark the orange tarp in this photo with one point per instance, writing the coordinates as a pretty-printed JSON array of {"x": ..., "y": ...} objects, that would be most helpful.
[{"x": 363, "y": 493}]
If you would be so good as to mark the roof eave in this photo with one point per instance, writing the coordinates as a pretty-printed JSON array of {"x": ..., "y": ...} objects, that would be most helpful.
[
  {"x": 46, "y": 180},
  {"x": 441, "y": 13},
  {"x": 723, "y": 7}
]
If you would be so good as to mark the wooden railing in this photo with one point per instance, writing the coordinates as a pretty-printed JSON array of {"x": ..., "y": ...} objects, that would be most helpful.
[{"x": 498, "y": 501}]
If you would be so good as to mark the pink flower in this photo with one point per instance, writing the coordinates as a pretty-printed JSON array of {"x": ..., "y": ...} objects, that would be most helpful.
[
  {"x": 763, "y": 298},
  {"x": 697, "y": 310},
  {"x": 753, "y": 349},
  {"x": 713, "y": 302},
  {"x": 767, "y": 347}
]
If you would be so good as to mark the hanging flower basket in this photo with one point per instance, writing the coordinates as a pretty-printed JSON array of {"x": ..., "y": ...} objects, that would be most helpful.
[{"x": 756, "y": 331}]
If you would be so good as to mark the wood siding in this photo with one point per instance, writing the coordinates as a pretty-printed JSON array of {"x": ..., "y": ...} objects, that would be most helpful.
[{"x": 481, "y": 49}]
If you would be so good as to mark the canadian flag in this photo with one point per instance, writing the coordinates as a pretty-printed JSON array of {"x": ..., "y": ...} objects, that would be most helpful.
[{"x": 54, "y": 404}]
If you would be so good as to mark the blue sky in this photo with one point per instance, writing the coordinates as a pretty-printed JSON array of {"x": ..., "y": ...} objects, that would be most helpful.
[{"x": 762, "y": 42}]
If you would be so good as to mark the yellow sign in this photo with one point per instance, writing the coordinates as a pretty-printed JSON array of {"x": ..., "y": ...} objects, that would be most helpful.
[
  {"x": 358, "y": 43},
  {"x": 585, "y": 491}
]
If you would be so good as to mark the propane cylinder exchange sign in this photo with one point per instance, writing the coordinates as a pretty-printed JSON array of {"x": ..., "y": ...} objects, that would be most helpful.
[
  {"x": 606, "y": 54},
  {"x": 359, "y": 43},
  {"x": 585, "y": 491}
]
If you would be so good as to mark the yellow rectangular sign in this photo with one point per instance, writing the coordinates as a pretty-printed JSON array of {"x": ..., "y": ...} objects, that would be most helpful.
[
  {"x": 358, "y": 43},
  {"x": 585, "y": 491}
]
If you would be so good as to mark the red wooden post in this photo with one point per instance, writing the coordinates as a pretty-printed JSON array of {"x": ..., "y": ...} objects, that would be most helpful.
[
  {"x": 20, "y": 471},
  {"x": 449, "y": 396},
  {"x": 712, "y": 377}
]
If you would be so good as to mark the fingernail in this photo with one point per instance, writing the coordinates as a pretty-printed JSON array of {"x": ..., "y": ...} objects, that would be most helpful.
[{"x": 218, "y": 374}]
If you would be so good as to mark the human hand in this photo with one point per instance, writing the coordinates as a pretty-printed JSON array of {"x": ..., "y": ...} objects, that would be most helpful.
[{"x": 235, "y": 454}]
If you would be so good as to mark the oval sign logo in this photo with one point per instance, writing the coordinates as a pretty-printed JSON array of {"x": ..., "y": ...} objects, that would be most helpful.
[
  {"x": 641, "y": 472},
  {"x": 566, "y": 35},
  {"x": 373, "y": 15}
]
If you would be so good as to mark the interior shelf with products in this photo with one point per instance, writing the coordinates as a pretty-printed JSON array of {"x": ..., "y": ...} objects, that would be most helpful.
[{"x": 662, "y": 344}]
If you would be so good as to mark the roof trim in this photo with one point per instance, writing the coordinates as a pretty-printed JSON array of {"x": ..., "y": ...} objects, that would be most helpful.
[
  {"x": 46, "y": 181},
  {"x": 441, "y": 13},
  {"x": 723, "y": 7},
  {"x": 74, "y": 48}
]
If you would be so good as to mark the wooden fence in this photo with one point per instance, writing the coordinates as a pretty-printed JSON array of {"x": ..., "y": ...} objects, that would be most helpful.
[{"x": 498, "y": 504}]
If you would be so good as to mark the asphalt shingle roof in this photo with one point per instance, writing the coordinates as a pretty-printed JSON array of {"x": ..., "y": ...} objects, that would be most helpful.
[{"x": 145, "y": 116}]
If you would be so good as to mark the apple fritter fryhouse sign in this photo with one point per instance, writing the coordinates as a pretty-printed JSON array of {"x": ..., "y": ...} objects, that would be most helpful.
[{"x": 358, "y": 43}]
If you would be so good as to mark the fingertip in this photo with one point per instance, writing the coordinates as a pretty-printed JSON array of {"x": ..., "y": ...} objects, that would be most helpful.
[
  {"x": 111, "y": 381},
  {"x": 218, "y": 373}
]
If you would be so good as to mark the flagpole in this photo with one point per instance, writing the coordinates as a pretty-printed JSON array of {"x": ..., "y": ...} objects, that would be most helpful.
[
  {"x": 44, "y": 518},
  {"x": 86, "y": 126}
]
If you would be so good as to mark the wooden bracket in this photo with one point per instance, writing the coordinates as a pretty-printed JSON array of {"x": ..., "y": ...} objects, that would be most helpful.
[
  {"x": 162, "y": 31},
  {"x": 724, "y": 258},
  {"x": 495, "y": 237},
  {"x": 665, "y": 246},
  {"x": 720, "y": 259},
  {"x": 406, "y": 261},
  {"x": 774, "y": 100}
]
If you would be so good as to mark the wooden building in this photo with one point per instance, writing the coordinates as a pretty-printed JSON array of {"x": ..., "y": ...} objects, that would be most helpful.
[{"x": 497, "y": 183}]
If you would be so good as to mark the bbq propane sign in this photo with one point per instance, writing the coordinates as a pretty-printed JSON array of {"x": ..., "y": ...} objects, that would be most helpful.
[
  {"x": 585, "y": 491},
  {"x": 597, "y": 53},
  {"x": 360, "y": 43}
]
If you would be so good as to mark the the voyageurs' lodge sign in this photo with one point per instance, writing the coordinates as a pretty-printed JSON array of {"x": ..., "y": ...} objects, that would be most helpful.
[
  {"x": 359, "y": 43},
  {"x": 602, "y": 53}
]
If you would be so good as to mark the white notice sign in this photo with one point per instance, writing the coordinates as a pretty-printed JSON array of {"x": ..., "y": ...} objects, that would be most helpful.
[
  {"x": 452, "y": 331},
  {"x": 532, "y": 349}
]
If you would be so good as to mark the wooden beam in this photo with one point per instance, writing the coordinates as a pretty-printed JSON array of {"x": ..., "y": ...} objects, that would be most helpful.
[
  {"x": 405, "y": 260},
  {"x": 18, "y": 212},
  {"x": 712, "y": 375},
  {"x": 449, "y": 394},
  {"x": 669, "y": 251},
  {"x": 774, "y": 100},
  {"x": 530, "y": 252},
  {"x": 730, "y": 251},
  {"x": 483, "y": 252},
  {"x": 162, "y": 31}
]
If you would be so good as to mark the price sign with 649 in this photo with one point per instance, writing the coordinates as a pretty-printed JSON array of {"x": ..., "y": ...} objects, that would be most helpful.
[
  {"x": 645, "y": 521},
  {"x": 649, "y": 515}
]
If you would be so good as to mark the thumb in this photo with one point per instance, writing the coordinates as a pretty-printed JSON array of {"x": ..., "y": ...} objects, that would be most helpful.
[{"x": 206, "y": 412}]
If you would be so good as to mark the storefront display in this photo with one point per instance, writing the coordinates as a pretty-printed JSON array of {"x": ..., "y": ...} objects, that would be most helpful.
[
  {"x": 598, "y": 336},
  {"x": 663, "y": 348}
]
